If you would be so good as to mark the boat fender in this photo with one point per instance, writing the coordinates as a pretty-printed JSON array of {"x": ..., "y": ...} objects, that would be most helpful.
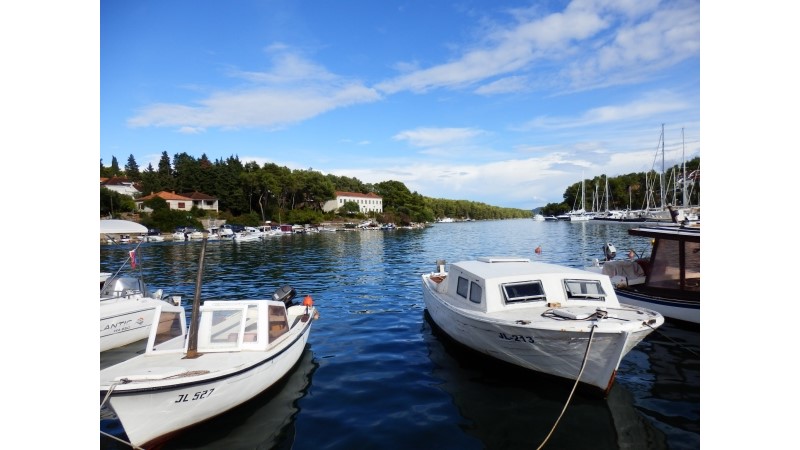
[{"x": 308, "y": 302}]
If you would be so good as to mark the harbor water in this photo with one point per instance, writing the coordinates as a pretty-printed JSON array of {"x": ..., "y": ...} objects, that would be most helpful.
[{"x": 377, "y": 375}]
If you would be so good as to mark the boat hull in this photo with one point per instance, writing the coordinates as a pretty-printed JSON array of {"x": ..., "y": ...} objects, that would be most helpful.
[
  {"x": 671, "y": 308},
  {"x": 127, "y": 320},
  {"x": 558, "y": 350},
  {"x": 151, "y": 410}
]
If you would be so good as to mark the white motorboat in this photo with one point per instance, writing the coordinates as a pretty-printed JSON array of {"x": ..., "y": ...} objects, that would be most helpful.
[
  {"x": 127, "y": 307},
  {"x": 667, "y": 280},
  {"x": 548, "y": 318},
  {"x": 240, "y": 349},
  {"x": 538, "y": 218}
]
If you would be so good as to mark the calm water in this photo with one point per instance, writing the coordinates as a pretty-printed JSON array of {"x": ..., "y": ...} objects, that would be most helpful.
[{"x": 376, "y": 375}]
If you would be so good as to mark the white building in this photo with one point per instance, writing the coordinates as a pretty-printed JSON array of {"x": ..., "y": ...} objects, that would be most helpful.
[
  {"x": 366, "y": 202},
  {"x": 121, "y": 185}
]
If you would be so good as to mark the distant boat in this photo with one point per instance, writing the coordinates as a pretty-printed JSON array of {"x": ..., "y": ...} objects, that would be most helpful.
[
  {"x": 538, "y": 217},
  {"x": 445, "y": 220}
]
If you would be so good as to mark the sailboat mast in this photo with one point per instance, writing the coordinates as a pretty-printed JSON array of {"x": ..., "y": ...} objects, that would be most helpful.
[
  {"x": 663, "y": 190},
  {"x": 683, "y": 157}
]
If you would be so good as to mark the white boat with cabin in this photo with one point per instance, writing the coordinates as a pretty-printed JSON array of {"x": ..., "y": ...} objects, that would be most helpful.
[
  {"x": 240, "y": 348},
  {"x": 548, "y": 318}
]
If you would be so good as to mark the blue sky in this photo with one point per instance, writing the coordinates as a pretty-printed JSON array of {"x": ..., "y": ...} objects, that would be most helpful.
[{"x": 506, "y": 102}]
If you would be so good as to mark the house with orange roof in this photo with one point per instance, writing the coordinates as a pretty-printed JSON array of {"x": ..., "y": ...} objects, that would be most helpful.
[
  {"x": 366, "y": 202},
  {"x": 181, "y": 202}
]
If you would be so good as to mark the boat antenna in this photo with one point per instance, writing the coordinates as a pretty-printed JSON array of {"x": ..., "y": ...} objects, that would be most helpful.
[{"x": 191, "y": 352}]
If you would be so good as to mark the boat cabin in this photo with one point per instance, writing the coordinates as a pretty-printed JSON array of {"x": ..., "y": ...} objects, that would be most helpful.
[
  {"x": 674, "y": 262},
  {"x": 492, "y": 284},
  {"x": 224, "y": 326}
]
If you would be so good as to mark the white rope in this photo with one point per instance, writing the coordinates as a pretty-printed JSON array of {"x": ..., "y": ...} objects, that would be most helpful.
[
  {"x": 105, "y": 399},
  {"x": 583, "y": 365}
]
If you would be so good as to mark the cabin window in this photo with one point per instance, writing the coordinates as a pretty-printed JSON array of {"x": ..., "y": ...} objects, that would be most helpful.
[
  {"x": 523, "y": 292},
  {"x": 278, "y": 324},
  {"x": 584, "y": 290},
  {"x": 168, "y": 327},
  {"x": 463, "y": 287},
  {"x": 475, "y": 292}
]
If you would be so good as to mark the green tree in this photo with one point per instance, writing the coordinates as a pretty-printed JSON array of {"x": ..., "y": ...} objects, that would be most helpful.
[
  {"x": 113, "y": 203},
  {"x": 115, "y": 172},
  {"x": 132, "y": 169},
  {"x": 350, "y": 207}
]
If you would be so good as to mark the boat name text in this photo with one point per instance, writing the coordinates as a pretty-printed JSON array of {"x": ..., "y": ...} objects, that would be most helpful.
[
  {"x": 516, "y": 337},
  {"x": 197, "y": 396}
]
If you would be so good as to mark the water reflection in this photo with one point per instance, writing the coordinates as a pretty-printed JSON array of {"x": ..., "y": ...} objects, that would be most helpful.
[{"x": 509, "y": 407}]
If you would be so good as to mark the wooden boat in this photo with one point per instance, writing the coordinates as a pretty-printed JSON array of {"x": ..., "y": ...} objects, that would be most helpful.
[
  {"x": 551, "y": 319},
  {"x": 233, "y": 351},
  {"x": 668, "y": 280}
]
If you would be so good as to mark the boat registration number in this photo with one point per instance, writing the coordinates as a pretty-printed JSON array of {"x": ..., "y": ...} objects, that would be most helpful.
[
  {"x": 197, "y": 396},
  {"x": 517, "y": 338}
]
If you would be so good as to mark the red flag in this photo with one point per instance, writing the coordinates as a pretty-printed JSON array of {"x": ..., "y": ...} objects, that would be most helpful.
[{"x": 132, "y": 254}]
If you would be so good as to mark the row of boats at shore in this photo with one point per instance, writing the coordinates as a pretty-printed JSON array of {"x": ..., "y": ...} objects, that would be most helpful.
[
  {"x": 667, "y": 214},
  {"x": 244, "y": 233},
  {"x": 576, "y": 324}
]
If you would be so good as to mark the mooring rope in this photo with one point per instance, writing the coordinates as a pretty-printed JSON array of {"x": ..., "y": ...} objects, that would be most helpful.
[
  {"x": 108, "y": 394},
  {"x": 111, "y": 436},
  {"x": 119, "y": 440},
  {"x": 583, "y": 366}
]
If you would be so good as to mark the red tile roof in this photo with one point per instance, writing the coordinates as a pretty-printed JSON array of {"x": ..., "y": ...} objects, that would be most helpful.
[{"x": 357, "y": 194}]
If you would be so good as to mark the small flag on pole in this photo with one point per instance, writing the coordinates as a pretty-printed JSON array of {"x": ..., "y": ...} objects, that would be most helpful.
[{"x": 132, "y": 254}]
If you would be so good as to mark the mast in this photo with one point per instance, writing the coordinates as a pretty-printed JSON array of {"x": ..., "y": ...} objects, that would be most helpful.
[
  {"x": 683, "y": 157},
  {"x": 663, "y": 190},
  {"x": 583, "y": 193}
]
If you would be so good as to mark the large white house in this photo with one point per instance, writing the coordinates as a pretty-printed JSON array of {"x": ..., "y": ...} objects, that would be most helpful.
[{"x": 366, "y": 202}]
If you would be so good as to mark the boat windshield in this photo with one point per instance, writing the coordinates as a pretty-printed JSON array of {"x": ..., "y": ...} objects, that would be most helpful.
[
  {"x": 524, "y": 291},
  {"x": 584, "y": 290}
]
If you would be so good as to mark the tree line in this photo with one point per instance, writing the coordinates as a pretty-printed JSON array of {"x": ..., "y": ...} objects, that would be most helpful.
[{"x": 250, "y": 194}]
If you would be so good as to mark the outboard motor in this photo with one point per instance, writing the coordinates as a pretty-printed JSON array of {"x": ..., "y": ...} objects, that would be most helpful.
[
  {"x": 609, "y": 251},
  {"x": 284, "y": 294}
]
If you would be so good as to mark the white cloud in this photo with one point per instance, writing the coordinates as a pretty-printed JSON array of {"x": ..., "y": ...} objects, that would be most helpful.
[
  {"x": 434, "y": 137},
  {"x": 651, "y": 105},
  {"x": 294, "y": 90}
]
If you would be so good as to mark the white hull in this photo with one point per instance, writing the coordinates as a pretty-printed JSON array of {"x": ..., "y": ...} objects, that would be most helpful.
[
  {"x": 558, "y": 352},
  {"x": 125, "y": 320},
  {"x": 667, "y": 307},
  {"x": 167, "y": 392},
  {"x": 128, "y": 319},
  {"x": 543, "y": 317}
]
